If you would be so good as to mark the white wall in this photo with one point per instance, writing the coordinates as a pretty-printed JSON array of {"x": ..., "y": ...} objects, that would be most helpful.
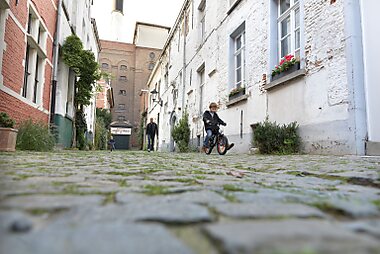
[
  {"x": 151, "y": 37},
  {"x": 371, "y": 42},
  {"x": 318, "y": 101}
]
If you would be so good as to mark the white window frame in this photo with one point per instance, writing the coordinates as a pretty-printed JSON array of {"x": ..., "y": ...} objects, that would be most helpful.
[
  {"x": 293, "y": 29},
  {"x": 35, "y": 67},
  {"x": 202, "y": 20},
  {"x": 240, "y": 51},
  {"x": 202, "y": 83}
]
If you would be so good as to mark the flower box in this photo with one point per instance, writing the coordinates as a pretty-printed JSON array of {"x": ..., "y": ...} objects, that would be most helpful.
[
  {"x": 287, "y": 65},
  {"x": 291, "y": 69},
  {"x": 236, "y": 92}
]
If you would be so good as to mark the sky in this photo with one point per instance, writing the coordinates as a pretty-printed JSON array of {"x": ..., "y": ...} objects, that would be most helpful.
[{"x": 160, "y": 12}]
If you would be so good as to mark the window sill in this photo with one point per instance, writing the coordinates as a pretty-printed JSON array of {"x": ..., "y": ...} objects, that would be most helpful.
[
  {"x": 285, "y": 79},
  {"x": 33, "y": 43},
  {"x": 237, "y": 100},
  {"x": 233, "y": 6}
]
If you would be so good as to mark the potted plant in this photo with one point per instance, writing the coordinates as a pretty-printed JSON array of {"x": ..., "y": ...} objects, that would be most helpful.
[
  {"x": 236, "y": 92},
  {"x": 8, "y": 135},
  {"x": 287, "y": 65}
]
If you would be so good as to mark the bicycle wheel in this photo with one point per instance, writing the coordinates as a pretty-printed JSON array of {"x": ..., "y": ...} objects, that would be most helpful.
[{"x": 222, "y": 145}]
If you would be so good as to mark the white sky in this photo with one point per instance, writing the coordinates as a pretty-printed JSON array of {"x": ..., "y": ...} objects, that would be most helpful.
[{"x": 160, "y": 12}]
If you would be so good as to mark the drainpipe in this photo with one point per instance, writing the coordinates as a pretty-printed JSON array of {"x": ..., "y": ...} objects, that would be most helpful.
[
  {"x": 55, "y": 62},
  {"x": 355, "y": 73},
  {"x": 184, "y": 63}
]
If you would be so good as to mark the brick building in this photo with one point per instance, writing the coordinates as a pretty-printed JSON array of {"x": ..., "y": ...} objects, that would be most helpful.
[
  {"x": 27, "y": 31},
  {"x": 129, "y": 66},
  {"x": 218, "y": 46}
]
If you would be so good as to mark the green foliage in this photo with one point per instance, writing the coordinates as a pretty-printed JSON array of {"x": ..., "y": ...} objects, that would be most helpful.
[
  {"x": 181, "y": 133},
  {"x": 103, "y": 121},
  {"x": 140, "y": 137},
  {"x": 84, "y": 65},
  {"x": 272, "y": 138},
  {"x": 6, "y": 121},
  {"x": 105, "y": 115},
  {"x": 101, "y": 134},
  {"x": 71, "y": 52},
  {"x": 34, "y": 137}
]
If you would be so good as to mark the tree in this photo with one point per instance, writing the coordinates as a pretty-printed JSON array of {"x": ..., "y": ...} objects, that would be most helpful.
[
  {"x": 83, "y": 63},
  {"x": 181, "y": 133}
]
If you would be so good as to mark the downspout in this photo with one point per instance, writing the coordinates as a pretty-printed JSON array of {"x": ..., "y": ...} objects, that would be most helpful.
[
  {"x": 355, "y": 73},
  {"x": 55, "y": 62},
  {"x": 184, "y": 63}
]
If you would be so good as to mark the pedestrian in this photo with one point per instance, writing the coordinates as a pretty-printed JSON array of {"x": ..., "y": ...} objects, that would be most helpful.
[
  {"x": 151, "y": 132},
  {"x": 112, "y": 144}
]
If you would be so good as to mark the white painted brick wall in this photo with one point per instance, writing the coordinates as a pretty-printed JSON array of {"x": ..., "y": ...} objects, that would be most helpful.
[{"x": 318, "y": 100}]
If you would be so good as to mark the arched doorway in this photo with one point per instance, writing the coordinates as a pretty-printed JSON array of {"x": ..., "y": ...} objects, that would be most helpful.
[{"x": 173, "y": 120}]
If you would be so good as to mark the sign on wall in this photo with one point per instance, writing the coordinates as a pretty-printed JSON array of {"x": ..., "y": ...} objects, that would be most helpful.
[{"x": 121, "y": 131}]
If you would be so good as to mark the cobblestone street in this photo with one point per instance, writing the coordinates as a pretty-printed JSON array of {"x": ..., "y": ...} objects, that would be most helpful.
[{"x": 139, "y": 202}]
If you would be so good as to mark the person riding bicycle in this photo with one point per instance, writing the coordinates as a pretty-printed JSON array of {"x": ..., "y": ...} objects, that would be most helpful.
[{"x": 212, "y": 121}]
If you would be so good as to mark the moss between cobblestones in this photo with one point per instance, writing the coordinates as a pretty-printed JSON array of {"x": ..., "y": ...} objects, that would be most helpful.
[
  {"x": 193, "y": 237},
  {"x": 330, "y": 209},
  {"x": 156, "y": 190},
  {"x": 376, "y": 203},
  {"x": 230, "y": 187},
  {"x": 122, "y": 183},
  {"x": 40, "y": 211},
  {"x": 122, "y": 173},
  {"x": 187, "y": 180},
  {"x": 110, "y": 198}
]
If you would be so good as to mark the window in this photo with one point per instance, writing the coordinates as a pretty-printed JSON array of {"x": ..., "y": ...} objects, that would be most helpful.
[
  {"x": 121, "y": 118},
  {"x": 152, "y": 55},
  {"x": 151, "y": 66},
  {"x": 119, "y": 5},
  {"x": 201, "y": 74},
  {"x": 34, "y": 59},
  {"x": 105, "y": 65},
  {"x": 237, "y": 56},
  {"x": 123, "y": 78},
  {"x": 288, "y": 24},
  {"x": 123, "y": 92},
  {"x": 202, "y": 18},
  {"x": 123, "y": 67},
  {"x": 121, "y": 106}
]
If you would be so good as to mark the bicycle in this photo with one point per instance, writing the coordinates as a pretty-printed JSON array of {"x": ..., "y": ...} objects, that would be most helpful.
[{"x": 220, "y": 141}]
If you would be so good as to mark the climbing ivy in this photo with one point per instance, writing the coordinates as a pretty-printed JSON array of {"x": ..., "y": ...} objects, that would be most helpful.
[{"x": 83, "y": 63}]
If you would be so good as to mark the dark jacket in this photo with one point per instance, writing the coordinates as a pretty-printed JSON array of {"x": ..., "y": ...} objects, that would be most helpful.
[
  {"x": 211, "y": 123},
  {"x": 151, "y": 129}
]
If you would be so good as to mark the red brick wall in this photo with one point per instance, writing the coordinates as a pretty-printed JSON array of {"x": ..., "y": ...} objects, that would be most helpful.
[
  {"x": 13, "y": 70},
  {"x": 20, "y": 11},
  {"x": 13, "y": 57},
  {"x": 20, "y": 111}
]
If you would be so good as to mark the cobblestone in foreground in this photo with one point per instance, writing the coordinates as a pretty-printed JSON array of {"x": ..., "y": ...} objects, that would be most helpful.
[{"x": 137, "y": 202}]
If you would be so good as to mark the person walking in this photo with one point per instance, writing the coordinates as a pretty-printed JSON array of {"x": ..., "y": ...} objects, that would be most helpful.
[
  {"x": 151, "y": 132},
  {"x": 112, "y": 144}
]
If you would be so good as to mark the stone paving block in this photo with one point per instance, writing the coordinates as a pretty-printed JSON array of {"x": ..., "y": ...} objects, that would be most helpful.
[
  {"x": 50, "y": 202},
  {"x": 268, "y": 210},
  {"x": 171, "y": 213},
  {"x": 200, "y": 197},
  {"x": 115, "y": 238},
  {"x": 269, "y": 195},
  {"x": 371, "y": 227},
  {"x": 290, "y": 236}
]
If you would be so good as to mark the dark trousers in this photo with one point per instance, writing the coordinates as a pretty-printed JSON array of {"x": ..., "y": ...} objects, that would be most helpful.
[{"x": 150, "y": 142}]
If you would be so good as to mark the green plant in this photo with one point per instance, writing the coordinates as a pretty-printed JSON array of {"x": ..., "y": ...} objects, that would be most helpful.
[
  {"x": 101, "y": 134},
  {"x": 285, "y": 63},
  {"x": 272, "y": 138},
  {"x": 81, "y": 128},
  {"x": 35, "y": 137},
  {"x": 140, "y": 137},
  {"x": 6, "y": 121},
  {"x": 181, "y": 133},
  {"x": 236, "y": 90}
]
